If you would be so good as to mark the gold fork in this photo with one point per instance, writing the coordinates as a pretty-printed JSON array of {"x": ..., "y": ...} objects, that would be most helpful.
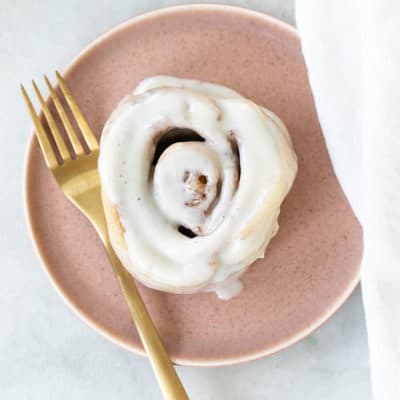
[{"x": 78, "y": 178}]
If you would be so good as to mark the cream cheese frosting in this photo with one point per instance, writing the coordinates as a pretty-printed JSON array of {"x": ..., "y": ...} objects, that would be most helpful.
[{"x": 197, "y": 174}]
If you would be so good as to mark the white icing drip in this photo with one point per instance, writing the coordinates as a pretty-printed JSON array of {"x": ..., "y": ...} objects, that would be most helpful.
[
  {"x": 234, "y": 222},
  {"x": 228, "y": 289}
]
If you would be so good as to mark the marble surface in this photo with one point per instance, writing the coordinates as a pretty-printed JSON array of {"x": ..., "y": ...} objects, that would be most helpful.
[{"x": 46, "y": 352}]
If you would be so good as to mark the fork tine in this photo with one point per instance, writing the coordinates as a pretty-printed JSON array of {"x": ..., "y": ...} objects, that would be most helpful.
[
  {"x": 60, "y": 143},
  {"x": 47, "y": 150},
  {"x": 87, "y": 133},
  {"x": 76, "y": 144}
]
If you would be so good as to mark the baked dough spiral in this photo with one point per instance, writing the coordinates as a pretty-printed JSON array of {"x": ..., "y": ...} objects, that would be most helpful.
[{"x": 193, "y": 176}]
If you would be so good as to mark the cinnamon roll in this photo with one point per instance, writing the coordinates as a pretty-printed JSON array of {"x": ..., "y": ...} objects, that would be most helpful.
[{"x": 193, "y": 176}]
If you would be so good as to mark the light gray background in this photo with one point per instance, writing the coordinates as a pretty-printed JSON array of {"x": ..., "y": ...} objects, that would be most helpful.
[{"x": 46, "y": 352}]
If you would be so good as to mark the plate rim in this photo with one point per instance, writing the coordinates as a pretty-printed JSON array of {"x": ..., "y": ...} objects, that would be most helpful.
[{"x": 45, "y": 265}]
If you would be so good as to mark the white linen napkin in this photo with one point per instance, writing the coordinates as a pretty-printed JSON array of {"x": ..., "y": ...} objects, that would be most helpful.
[{"x": 352, "y": 52}]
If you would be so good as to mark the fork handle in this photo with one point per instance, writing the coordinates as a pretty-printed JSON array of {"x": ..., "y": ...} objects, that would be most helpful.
[{"x": 167, "y": 377}]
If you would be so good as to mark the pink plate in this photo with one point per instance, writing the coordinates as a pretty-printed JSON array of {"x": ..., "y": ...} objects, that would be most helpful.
[{"x": 311, "y": 266}]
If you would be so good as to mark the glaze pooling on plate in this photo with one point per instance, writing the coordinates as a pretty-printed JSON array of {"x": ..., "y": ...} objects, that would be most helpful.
[{"x": 196, "y": 175}]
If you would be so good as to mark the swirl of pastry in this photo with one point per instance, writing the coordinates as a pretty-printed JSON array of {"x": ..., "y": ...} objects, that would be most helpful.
[{"x": 193, "y": 176}]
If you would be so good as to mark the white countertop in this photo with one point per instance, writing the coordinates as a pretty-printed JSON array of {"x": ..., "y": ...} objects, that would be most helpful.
[{"x": 46, "y": 352}]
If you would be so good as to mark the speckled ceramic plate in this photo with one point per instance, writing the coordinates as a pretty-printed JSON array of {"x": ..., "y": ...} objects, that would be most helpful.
[{"x": 311, "y": 266}]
